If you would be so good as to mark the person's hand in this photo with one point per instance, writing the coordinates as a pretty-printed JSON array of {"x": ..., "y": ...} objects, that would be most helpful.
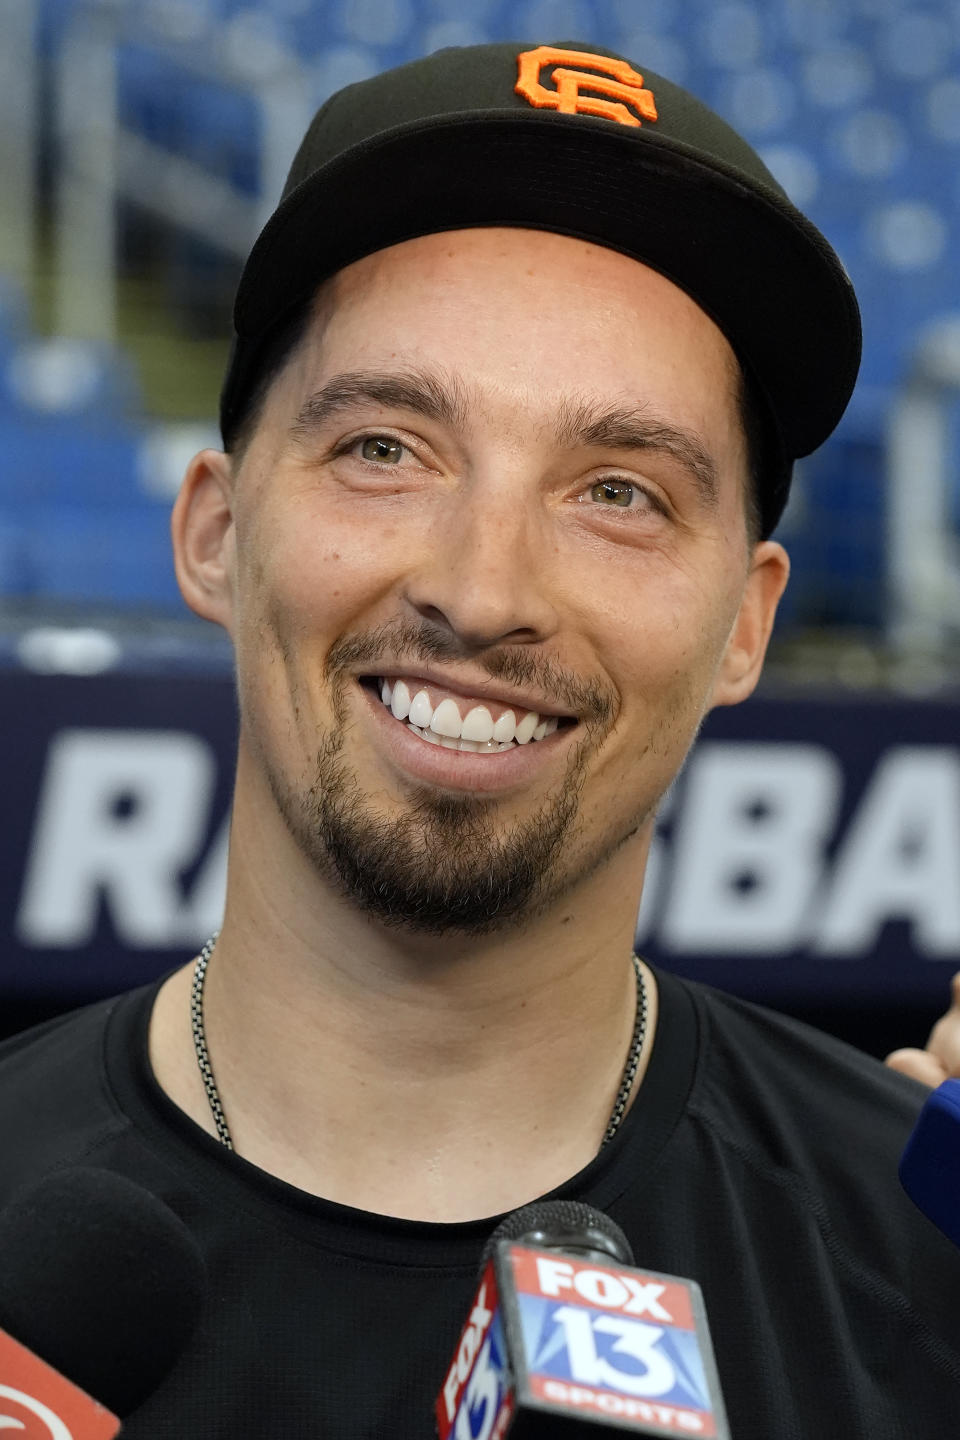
[{"x": 941, "y": 1059}]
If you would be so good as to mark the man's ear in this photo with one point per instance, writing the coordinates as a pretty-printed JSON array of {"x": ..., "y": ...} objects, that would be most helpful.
[
  {"x": 743, "y": 658},
  {"x": 203, "y": 537}
]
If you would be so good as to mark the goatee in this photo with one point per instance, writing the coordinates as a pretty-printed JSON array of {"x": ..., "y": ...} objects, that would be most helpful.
[{"x": 446, "y": 863}]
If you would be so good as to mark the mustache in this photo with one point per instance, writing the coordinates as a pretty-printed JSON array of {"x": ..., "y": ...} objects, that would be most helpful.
[{"x": 403, "y": 641}]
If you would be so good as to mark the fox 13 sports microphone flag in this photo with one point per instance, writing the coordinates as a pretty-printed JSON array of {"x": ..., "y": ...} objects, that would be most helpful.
[{"x": 553, "y": 1339}]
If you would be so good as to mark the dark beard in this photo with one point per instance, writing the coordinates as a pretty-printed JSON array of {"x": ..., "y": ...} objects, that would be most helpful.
[{"x": 444, "y": 865}]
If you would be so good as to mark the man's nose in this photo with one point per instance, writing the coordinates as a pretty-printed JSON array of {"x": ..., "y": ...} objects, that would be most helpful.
[{"x": 488, "y": 567}]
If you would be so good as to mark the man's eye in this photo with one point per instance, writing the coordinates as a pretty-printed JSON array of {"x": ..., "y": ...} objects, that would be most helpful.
[
  {"x": 382, "y": 449},
  {"x": 614, "y": 492}
]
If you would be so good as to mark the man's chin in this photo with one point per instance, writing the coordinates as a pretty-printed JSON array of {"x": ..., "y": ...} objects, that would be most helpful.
[
  {"x": 441, "y": 863},
  {"x": 434, "y": 872}
]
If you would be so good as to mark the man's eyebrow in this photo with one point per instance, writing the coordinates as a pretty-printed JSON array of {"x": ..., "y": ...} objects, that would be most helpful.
[
  {"x": 580, "y": 424},
  {"x": 630, "y": 427},
  {"x": 416, "y": 390}
]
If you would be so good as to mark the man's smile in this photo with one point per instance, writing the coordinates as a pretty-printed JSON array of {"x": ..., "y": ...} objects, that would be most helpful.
[
  {"x": 492, "y": 743},
  {"x": 481, "y": 726}
]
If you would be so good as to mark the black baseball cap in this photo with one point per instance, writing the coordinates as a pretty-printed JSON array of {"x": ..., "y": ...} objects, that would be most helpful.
[{"x": 582, "y": 142}]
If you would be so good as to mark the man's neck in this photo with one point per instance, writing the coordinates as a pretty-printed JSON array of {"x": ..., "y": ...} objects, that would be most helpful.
[{"x": 425, "y": 1078}]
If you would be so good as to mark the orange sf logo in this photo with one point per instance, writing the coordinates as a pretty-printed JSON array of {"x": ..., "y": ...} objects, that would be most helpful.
[{"x": 616, "y": 79}]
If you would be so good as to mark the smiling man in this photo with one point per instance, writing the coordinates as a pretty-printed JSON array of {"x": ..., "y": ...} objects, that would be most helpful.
[{"x": 522, "y": 362}]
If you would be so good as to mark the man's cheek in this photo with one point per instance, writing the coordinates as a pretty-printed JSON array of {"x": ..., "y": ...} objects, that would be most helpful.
[{"x": 323, "y": 575}]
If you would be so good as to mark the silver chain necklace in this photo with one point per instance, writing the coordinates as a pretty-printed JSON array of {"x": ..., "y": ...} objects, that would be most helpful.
[{"x": 213, "y": 1094}]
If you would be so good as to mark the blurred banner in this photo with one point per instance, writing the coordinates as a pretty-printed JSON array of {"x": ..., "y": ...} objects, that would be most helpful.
[{"x": 809, "y": 852}]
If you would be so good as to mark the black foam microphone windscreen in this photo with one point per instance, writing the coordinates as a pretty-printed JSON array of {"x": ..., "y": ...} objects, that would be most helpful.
[{"x": 101, "y": 1280}]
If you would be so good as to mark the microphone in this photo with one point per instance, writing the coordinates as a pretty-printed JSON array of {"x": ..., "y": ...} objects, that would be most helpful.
[
  {"x": 930, "y": 1164},
  {"x": 101, "y": 1286},
  {"x": 566, "y": 1336}
]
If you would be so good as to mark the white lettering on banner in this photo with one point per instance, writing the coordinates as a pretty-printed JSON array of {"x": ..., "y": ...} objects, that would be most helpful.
[
  {"x": 657, "y": 871},
  {"x": 203, "y": 912},
  {"x": 121, "y": 814},
  {"x": 740, "y": 867},
  {"x": 748, "y": 855},
  {"x": 900, "y": 859}
]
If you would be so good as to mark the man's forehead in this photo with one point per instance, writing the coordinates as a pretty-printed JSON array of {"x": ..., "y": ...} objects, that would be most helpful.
[
  {"x": 375, "y": 342},
  {"x": 581, "y": 288},
  {"x": 499, "y": 250}
]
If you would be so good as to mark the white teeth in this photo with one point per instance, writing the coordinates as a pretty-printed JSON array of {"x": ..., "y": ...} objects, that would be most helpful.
[
  {"x": 526, "y": 727},
  {"x": 478, "y": 725},
  {"x": 476, "y": 747},
  {"x": 421, "y": 711},
  {"x": 477, "y": 732},
  {"x": 506, "y": 726},
  {"x": 400, "y": 704},
  {"x": 446, "y": 720}
]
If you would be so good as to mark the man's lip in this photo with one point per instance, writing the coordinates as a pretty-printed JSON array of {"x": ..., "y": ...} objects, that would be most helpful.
[
  {"x": 470, "y": 689},
  {"x": 460, "y": 771}
]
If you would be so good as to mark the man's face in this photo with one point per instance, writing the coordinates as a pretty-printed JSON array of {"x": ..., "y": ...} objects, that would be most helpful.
[{"x": 501, "y": 478}]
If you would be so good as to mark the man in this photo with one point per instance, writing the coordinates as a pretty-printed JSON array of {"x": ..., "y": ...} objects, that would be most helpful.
[{"x": 523, "y": 359}]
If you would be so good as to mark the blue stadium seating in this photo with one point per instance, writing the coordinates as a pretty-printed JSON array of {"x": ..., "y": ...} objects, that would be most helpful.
[
  {"x": 55, "y": 460},
  {"x": 63, "y": 378},
  {"x": 89, "y": 554},
  {"x": 15, "y": 579},
  {"x": 102, "y": 553},
  {"x": 205, "y": 121},
  {"x": 854, "y": 103}
]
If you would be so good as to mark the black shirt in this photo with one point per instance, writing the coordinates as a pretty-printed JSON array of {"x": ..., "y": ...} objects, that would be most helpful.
[{"x": 759, "y": 1158}]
